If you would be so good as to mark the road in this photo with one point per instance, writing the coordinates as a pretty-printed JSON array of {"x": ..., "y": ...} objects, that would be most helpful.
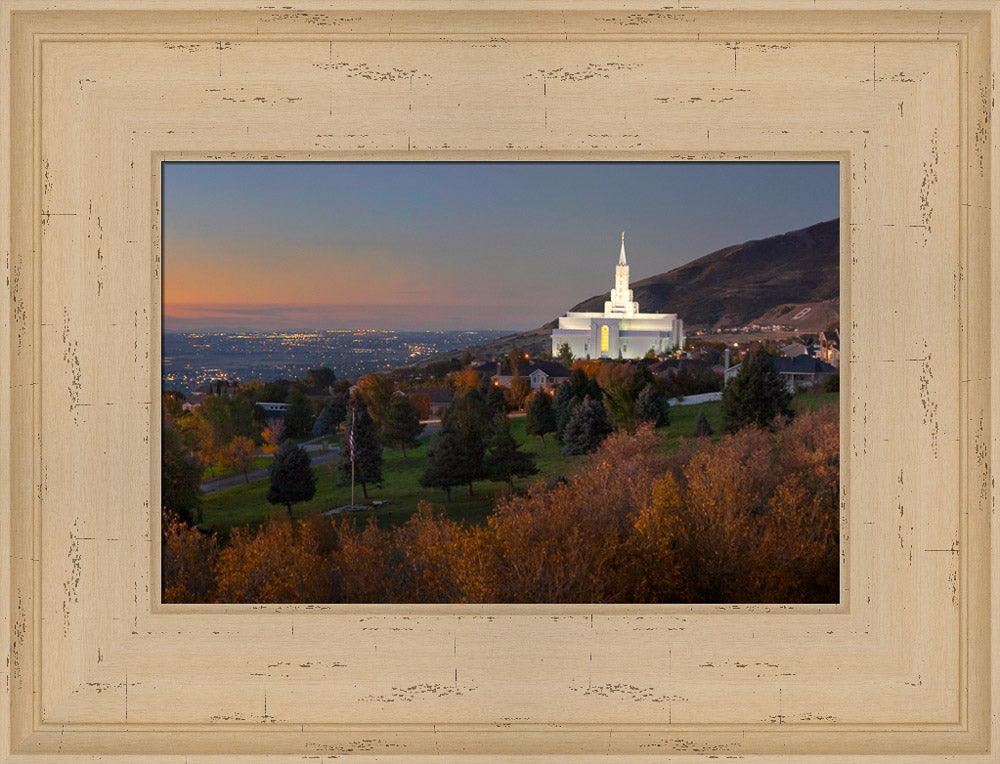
[{"x": 316, "y": 452}]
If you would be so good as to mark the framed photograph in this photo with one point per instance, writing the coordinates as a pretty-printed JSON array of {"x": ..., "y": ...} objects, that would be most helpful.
[
  {"x": 362, "y": 360},
  {"x": 99, "y": 96}
]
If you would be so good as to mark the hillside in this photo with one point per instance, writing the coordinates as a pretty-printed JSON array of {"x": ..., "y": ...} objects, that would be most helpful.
[
  {"x": 736, "y": 285},
  {"x": 763, "y": 281}
]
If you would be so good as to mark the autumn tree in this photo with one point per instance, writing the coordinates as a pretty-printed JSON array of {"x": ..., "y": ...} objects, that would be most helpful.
[
  {"x": 540, "y": 416},
  {"x": 273, "y": 435},
  {"x": 279, "y": 564},
  {"x": 376, "y": 390},
  {"x": 238, "y": 455},
  {"x": 292, "y": 477},
  {"x": 465, "y": 379},
  {"x": 504, "y": 460},
  {"x": 423, "y": 403},
  {"x": 367, "y": 451},
  {"x": 199, "y": 439},
  {"x": 516, "y": 394},
  {"x": 587, "y": 426},
  {"x": 209, "y": 427},
  {"x": 757, "y": 395},
  {"x": 402, "y": 424},
  {"x": 188, "y": 563}
]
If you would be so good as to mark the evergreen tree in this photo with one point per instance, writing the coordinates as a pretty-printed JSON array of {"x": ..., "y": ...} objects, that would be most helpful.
[
  {"x": 299, "y": 416},
  {"x": 569, "y": 395},
  {"x": 444, "y": 462},
  {"x": 652, "y": 406},
  {"x": 565, "y": 354},
  {"x": 367, "y": 448},
  {"x": 332, "y": 415},
  {"x": 541, "y": 416},
  {"x": 562, "y": 401},
  {"x": 504, "y": 461},
  {"x": 292, "y": 478},
  {"x": 180, "y": 477},
  {"x": 402, "y": 424},
  {"x": 586, "y": 428},
  {"x": 582, "y": 385},
  {"x": 702, "y": 426},
  {"x": 468, "y": 418},
  {"x": 757, "y": 395},
  {"x": 495, "y": 401}
]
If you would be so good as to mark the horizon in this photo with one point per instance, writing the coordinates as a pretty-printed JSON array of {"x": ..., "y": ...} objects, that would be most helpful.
[{"x": 300, "y": 246}]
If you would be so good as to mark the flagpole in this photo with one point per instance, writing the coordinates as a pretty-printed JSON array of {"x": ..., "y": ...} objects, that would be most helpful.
[{"x": 352, "y": 458}]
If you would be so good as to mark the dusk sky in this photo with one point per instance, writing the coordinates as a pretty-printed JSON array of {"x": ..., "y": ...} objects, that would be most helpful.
[{"x": 417, "y": 245}]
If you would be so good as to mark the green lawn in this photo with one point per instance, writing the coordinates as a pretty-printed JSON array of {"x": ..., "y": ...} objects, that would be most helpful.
[
  {"x": 247, "y": 505},
  {"x": 401, "y": 489}
]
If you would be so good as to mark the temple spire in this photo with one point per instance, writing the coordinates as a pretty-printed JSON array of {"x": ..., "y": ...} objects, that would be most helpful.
[{"x": 621, "y": 257}]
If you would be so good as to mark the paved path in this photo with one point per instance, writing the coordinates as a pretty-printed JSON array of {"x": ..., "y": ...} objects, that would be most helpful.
[{"x": 229, "y": 482}]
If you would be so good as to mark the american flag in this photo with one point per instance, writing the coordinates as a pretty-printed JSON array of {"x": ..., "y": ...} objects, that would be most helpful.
[{"x": 350, "y": 439}]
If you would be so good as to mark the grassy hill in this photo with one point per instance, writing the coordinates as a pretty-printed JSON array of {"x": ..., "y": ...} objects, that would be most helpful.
[{"x": 247, "y": 504}]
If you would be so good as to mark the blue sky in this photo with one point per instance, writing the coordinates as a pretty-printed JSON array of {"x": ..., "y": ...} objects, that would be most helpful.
[{"x": 420, "y": 245}]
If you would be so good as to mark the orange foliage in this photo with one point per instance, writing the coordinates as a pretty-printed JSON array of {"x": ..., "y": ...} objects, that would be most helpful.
[
  {"x": 189, "y": 558},
  {"x": 281, "y": 563},
  {"x": 590, "y": 367},
  {"x": 751, "y": 518},
  {"x": 465, "y": 379},
  {"x": 273, "y": 434},
  {"x": 423, "y": 403}
]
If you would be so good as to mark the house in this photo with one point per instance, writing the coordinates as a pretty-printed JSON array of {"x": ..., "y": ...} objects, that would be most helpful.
[
  {"x": 798, "y": 372},
  {"x": 793, "y": 349},
  {"x": 272, "y": 409},
  {"x": 829, "y": 347},
  {"x": 431, "y": 401},
  {"x": 541, "y": 375}
]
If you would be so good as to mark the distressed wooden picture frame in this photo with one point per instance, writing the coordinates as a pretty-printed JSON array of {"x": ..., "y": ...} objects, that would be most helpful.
[{"x": 97, "y": 94}]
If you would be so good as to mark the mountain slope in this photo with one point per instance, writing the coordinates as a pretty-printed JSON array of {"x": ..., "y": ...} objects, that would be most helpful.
[
  {"x": 736, "y": 285},
  {"x": 763, "y": 281}
]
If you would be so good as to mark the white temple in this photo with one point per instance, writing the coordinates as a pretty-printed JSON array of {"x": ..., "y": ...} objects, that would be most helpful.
[{"x": 621, "y": 331}]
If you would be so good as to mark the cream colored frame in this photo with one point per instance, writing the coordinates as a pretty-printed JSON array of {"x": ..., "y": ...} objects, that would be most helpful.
[{"x": 99, "y": 92}]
